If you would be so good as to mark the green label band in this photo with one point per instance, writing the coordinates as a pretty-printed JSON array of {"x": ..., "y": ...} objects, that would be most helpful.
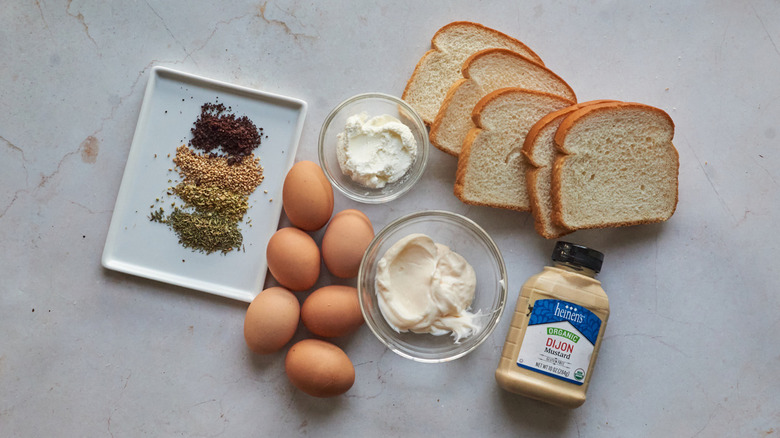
[{"x": 563, "y": 333}]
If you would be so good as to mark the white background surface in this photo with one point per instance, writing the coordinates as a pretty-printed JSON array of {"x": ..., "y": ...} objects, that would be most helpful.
[{"x": 691, "y": 348}]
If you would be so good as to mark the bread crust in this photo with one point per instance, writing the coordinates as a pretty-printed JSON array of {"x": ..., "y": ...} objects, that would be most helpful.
[
  {"x": 436, "y": 124},
  {"x": 532, "y": 173},
  {"x": 566, "y": 126},
  {"x": 466, "y": 23},
  {"x": 441, "y": 115},
  {"x": 460, "y": 171},
  {"x": 411, "y": 82},
  {"x": 547, "y": 119},
  {"x": 473, "y": 134},
  {"x": 464, "y": 69},
  {"x": 435, "y": 47}
]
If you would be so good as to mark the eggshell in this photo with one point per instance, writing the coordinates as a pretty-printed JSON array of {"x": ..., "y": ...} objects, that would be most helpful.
[
  {"x": 307, "y": 196},
  {"x": 319, "y": 368},
  {"x": 271, "y": 320},
  {"x": 332, "y": 311},
  {"x": 345, "y": 241},
  {"x": 293, "y": 259}
]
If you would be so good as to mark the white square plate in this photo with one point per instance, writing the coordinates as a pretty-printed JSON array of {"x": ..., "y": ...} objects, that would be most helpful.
[{"x": 135, "y": 245}]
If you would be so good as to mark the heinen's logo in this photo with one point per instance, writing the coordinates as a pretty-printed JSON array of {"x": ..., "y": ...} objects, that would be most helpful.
[{"x": 569, "y": 313}]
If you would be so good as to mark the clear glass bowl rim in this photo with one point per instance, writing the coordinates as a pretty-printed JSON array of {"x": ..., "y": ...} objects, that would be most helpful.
[
  {"x": 422, "y": 150},
  {"x": 492, "y": 248}
]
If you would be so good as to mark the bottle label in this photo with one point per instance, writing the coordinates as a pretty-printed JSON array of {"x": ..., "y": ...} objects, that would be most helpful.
[{"x": 559, "y": 340}]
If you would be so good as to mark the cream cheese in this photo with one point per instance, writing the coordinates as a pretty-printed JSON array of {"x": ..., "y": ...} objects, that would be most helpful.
[
  {"x": 377, "y": 151},
  {"x": 424, "y": 287}
]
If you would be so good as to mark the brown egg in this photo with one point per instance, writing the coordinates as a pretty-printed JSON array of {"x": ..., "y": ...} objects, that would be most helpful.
[
  {"x": 307, "y": 196},
  {"x": 293, "y": 259},
  {"x": 346, "y": 239},
  {"x": 271, "y": 320},
  {"x": 332, "y": 311},
  {"x": 319, "y": 368}
]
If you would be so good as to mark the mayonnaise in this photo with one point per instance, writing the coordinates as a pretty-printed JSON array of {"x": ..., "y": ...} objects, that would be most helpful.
[
  {"x": 375, "y": 152},
  {"x": 424, "y": 287}
]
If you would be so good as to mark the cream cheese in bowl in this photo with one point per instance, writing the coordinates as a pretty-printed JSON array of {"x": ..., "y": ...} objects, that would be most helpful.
[
  {"x": 373, "y": 148},
  {"x": 375, "y": 151}
]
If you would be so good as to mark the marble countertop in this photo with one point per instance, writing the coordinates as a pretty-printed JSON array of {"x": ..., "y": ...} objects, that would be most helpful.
[{"x": 691, "y": 347}]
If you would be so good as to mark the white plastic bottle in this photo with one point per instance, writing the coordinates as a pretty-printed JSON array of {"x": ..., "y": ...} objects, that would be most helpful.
[{"x": 556, "y": 330}]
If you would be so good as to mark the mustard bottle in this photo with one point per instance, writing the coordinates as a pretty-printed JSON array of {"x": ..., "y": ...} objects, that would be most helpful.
[{"x": 556, "y": 330}]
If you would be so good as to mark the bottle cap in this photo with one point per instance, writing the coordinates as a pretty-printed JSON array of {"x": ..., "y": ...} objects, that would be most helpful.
[{"x": 579, "y": 255}]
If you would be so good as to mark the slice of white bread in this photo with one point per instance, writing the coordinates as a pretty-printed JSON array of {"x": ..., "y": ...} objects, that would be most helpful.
[
  {"x": 484, "y": 72},
  {"x": 491, "y": 168},
  {"x": 617, "y": 167},
  {"x": 440, "y": 67},
  {"x": 539, "y": 149}
]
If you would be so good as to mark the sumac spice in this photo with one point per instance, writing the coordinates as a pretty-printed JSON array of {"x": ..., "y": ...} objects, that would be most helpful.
[{"x": 218, "y": 127}]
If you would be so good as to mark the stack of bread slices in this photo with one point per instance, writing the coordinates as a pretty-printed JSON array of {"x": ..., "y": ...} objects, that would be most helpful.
[{"x": 524, "y": 143}]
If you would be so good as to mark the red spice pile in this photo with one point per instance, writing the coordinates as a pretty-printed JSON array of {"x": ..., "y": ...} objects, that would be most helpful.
[{"x": 217, "y": 127}]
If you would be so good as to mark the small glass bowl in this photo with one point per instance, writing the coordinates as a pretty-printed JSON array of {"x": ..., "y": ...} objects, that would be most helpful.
[
  {"x": 373, "y": 104},
  {"x": 464, "y": 237}
]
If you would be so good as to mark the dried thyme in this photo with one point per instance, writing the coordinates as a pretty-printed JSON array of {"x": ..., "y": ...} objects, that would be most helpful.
[
  {"x": 206, "y": 232},
  {"x": 158, "y": 215},
  {"x": 212, "y": 199}
]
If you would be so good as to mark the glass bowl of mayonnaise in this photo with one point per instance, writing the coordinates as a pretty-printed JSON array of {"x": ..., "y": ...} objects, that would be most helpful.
[
  {"x": 432, "y": 286},
  {"x": 373, "y": 147}
]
